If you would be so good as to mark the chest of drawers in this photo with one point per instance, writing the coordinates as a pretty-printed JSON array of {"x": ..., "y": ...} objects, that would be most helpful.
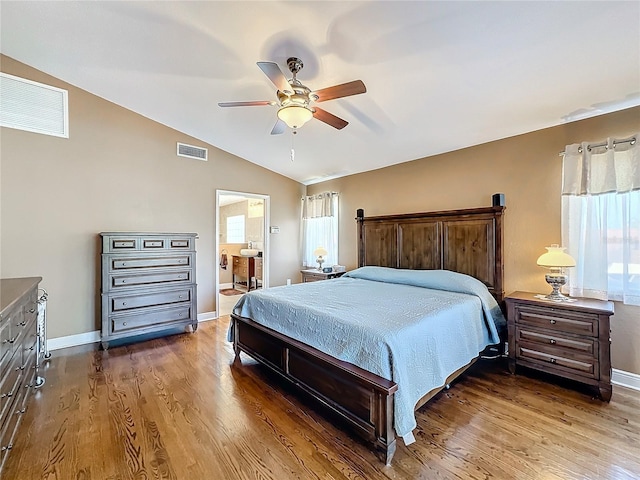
[
  {"x": 18, "y": 351},
  {"x": 569, "y": 339},
  {"x": 148, "y": 283}
]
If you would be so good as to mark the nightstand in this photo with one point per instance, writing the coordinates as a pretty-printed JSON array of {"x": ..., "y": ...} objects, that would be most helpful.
[
  {"x": 314, "y": 275},
  {"x": 569, "y": 339}
]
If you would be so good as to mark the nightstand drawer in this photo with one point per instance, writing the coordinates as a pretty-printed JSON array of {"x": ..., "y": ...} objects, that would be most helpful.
[
  {"x": 583, "y": 345},
  {"x": 584, "y": 366},
  {"x": 557, "y": 320}
]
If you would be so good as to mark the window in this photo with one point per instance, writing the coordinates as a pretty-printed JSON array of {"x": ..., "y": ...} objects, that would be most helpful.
[
  {"x": 320, "y": 228},
  {"x": 601, "y": 219},
  {"x": 235, "y": 229}
]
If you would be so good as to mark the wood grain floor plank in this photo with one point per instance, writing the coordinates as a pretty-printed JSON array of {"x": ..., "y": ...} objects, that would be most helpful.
[{"x": 180, "y": 407}]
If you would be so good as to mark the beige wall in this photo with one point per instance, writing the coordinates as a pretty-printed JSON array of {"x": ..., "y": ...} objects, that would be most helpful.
[
  {"x": 118, "y": 171},
  {"x": 527, "y": 169}
]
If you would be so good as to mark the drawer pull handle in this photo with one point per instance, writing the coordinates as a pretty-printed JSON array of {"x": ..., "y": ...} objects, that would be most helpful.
[
  {"x": 180, "y": 314},
  {"x": 31, "y": 310},
  {"x": 20, "y": 412},
  {"x": 21, "y": 324},
  {"x": 124, "y": 264},
  {"x": 179, "y": 296},
  {"x": 552, "y": 360},
  {"x": 124, "y": 281},
  {"x": 8, "y": 447},
  {"x": 124, "y": 303},
  {"x": 124, "y": 324},
  {"x": 552, "y": 341},
  {"x": 552, "y": 321},
  {"x": 179, "y": 276}
]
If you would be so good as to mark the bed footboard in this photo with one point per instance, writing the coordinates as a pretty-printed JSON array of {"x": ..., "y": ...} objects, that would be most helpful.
[{"x": 363, "y": 401}]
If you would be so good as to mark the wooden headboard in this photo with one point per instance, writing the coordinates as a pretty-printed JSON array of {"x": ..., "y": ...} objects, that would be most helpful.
[{"x": 467, "y": 241}]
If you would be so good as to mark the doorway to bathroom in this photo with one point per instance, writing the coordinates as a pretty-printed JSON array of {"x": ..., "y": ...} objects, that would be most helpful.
[{"x": 242, "y": 248}]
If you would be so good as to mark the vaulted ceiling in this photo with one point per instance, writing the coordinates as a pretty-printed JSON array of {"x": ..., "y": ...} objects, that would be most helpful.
[{"x": 440, "y": 76}]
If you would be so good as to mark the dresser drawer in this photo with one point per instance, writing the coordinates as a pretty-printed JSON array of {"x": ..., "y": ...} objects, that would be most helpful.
[
  {"x": 7, "y": 345},
  {"x": 181, "y": 243},
  {"x": 153, "y": 278},
  {"x": 12, "y": 422},
  {"x": 557, "y": 320},
  {"x": 11, "y": 334},
  {"x": 120, "y": 263},
  {"x": 149, "y": 317},
  {"x": 125, "y": 243},
  {"x": 29, "y": 345},
  {"x": 10, "y": 386},
  {"x": 123, "y": 302}
]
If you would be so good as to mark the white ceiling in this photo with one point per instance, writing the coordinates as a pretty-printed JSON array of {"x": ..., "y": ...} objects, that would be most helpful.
[{"x": 440, "y": 75}]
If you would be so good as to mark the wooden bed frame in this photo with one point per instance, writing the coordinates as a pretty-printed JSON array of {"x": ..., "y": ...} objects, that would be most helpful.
[{"x": 468, "y": 241}]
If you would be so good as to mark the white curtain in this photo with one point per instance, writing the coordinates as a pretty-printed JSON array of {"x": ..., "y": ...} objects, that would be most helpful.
[
  {"x": 320, "y": 228},
  {"x": 601, "y": 219}
]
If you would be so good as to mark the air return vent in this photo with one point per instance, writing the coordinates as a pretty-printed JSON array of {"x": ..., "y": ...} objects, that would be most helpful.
[
  {"x": 190, "y": 151},
  {"x": 33, "y": 106}
]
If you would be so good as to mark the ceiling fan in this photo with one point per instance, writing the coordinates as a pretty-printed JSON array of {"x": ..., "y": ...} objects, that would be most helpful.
[{"x": 295, "y": 99}]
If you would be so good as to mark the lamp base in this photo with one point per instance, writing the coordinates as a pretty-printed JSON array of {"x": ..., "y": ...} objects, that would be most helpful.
[{"x": 556, "y": 281}]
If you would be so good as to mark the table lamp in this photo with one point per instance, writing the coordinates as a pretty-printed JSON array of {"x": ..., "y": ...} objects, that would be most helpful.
[
  {"x": 320, "y": 252},
  {"x": 556, "y": 260}
]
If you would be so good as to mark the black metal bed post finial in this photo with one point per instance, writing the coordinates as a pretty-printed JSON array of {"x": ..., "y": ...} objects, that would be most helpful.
[{"x": 360, "y": 222}]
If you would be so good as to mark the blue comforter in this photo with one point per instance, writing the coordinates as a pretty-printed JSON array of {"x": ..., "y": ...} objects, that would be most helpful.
[{"x": 414, "y": 327}]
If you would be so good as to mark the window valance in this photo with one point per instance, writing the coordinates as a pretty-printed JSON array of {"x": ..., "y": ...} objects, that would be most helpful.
[
  {"x": 610, "y": 167},
  {"x": 319, "y": 205}
]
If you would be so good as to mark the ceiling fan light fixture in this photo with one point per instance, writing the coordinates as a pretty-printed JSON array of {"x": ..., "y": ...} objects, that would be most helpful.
[{"x": 295, "y": 116}]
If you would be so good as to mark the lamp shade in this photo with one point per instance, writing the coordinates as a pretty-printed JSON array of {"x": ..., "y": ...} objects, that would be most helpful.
[
  {"x": 556, "y": 257},
  {"x": 320, "y": 252},
  {"x": 295, "y": 116}
]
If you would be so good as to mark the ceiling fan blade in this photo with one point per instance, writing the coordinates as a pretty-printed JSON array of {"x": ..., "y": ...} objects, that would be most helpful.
[
  {"x": 272, "y": 70},
  {"x": 278, "y": 128},
  {"x": 338, "y": 91},
  {"x": 247, "y": 104},
  {"x": 329, "y": 118}
]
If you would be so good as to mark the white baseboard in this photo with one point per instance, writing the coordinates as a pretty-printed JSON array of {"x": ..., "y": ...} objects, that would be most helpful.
[
  {"x": 94, "y": 337},
  {"x": 73, "y": 340},
  {"x": 226, "y": 285},
  {"x": 625, "y": 379},
  {"x": 206, "y": 316}
]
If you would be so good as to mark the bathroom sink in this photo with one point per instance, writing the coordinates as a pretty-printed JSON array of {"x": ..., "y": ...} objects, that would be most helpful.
[{"x": 248, "y": 252}]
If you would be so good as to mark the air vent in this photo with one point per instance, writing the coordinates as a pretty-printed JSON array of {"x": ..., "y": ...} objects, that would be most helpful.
[
  {"x": 190, "y": 151},
  {"x": 33, "y": 107}
]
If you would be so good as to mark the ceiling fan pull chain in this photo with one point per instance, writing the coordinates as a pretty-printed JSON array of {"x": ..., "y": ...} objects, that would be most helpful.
[{"x": 293, "y": 152}]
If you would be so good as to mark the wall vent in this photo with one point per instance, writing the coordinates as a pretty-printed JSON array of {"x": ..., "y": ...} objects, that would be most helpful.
[
  {"x": 190, "y": 151},
  {"x": 33, "y": 107}
]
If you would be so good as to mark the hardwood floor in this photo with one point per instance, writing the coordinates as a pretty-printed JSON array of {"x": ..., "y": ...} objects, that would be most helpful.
[{"x": 179, "y": 408}]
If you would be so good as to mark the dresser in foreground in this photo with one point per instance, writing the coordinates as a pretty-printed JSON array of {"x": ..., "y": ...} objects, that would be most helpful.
[
  {"x": 148, "y": 283},
  {"x": 567, "y": 339},
  {"x": 18, "y": 355}
]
